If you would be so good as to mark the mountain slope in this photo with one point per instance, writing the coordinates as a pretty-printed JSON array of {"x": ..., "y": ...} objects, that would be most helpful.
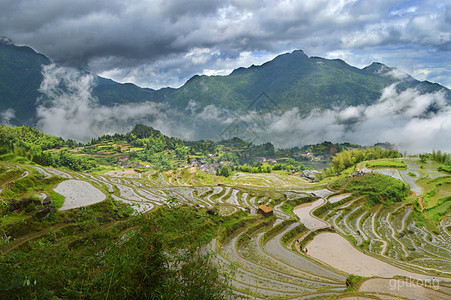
[
  {"x": 296, "y": 80},
  {"x": 290, "y": 80},
  {"x": 21, "y": 77}
]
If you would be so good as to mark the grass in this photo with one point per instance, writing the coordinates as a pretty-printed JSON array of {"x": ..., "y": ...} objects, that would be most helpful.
[
  {"x": 81, "y": 235},
  {"x": 277, "y": 229},
  {"x": 445, "y": 168},
  {"x": 387, "y": 164},
  {"x": 57, "y": 199},
  {"x": 378, "y": 188},
  {"x": 434, "y": 190},
  {"x": 288, "y": 206},
  {"x": 232, "y": 223},
  {"x": 353, "y": 283},
  {"x": 439, "y": 210},
  {"x": 28, "y": 185},
  {"x": 293, "y": 233},
  {"x": 254, "y": 228}
]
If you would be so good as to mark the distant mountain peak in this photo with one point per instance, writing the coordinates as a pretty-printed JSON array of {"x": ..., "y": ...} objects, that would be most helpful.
[
  {"x": 376, "y": 67},
  {"x": 290, "y": 80},
  {"x": 381, "y": 69},
  {"x": 299, "y": 51}
]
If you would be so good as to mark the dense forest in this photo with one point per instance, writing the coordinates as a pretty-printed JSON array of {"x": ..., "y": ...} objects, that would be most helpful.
[
  {"x": 42, "y": 149},
  {"x": 149, "y": 145}
]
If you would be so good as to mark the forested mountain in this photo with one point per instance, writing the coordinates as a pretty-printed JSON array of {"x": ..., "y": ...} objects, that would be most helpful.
[
  {"x": 21, "y": 76},
  {"x": 290, "y": 80},
  {"x": 295, "y": 80}
]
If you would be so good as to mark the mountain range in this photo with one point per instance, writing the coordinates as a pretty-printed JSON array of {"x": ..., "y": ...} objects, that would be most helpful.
[{"x": 289, "y": 81}]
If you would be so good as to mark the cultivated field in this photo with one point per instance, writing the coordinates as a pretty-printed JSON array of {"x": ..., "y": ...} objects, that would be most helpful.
[{"x": 341, "y": 233}]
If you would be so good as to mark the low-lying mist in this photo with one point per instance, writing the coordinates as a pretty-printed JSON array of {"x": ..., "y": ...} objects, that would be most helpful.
[
  {"x": 68, "y": 109},
  {"x": 413, "y": 121}
]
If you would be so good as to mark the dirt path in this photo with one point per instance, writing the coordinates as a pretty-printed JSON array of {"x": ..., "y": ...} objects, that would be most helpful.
[{"x": 420, "y": 199}]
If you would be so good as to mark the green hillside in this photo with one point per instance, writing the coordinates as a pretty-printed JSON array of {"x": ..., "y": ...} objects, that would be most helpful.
[
  {"x": 294, "y": 80},
  {"x": 21, "y": 76},
  {"x": 290, "y": 80}
]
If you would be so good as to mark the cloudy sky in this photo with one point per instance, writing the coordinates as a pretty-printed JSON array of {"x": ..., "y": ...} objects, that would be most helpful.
[{"x": 157, "y": 43}]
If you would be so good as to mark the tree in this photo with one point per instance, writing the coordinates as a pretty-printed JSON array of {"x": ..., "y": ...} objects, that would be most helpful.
[{"x": 224, "y": 171}]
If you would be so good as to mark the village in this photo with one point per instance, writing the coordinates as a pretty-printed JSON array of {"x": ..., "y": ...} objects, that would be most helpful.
[{"x": 208, "y": 165}]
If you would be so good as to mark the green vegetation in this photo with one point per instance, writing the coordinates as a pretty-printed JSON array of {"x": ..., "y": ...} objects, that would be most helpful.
[
  {"x": 276, "y": 229},
  {"x": 28, "y": 184},
  {"x": 232, "y": 224},
  {"x": 386, "y": 164},
  {"x": 104, "y": 251},
  {"x": 289, "y": 205},
  {"x": 290, "y": 80},
  {"x": 39, "y": 148},
  {"x": 353, "y": 283},
  {"x": 224, "y": 171},
  {"x": 349, "y": 158},
  {"x": 255, "y": 228},
  {"x": 411, "y": 174},
  {"x": 379, "y": 188},
  {"x": 113, "y": 255},
  {"x": 442, "y": 158},
  {"x": 445, "y": 168},
  {"x": 328, "y": 148},
  {"x": 311, "y": 235},
  {"x": 147, "y": 146},
  {"x": 155, "y": 256},
  {"x": 258, "y": 167},
  {"x": 436, "y": 199},
  {"x": 439, "y": 210},
  {"x": 320, "y": 211},
  {"x": 255, "y": 168},
  {"x": 295, "y": 232}
]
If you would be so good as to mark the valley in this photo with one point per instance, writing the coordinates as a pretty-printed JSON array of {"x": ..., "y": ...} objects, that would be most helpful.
[
  {"x": 323, "y": 240},
  {"x": 159, "y": 150}
]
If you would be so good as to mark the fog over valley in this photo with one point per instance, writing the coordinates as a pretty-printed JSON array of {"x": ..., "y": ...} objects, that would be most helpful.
[{"x": 413, "y": 121}]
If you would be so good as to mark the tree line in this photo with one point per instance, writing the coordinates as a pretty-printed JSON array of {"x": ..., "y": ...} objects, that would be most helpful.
[{"x": 348, "y": 158}]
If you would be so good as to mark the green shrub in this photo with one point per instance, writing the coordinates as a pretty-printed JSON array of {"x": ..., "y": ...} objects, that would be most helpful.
[
  {"x": 296, "y": 231},
  {"x": 387, "y": 164},
  {"x": 245, "y": 236},
  {"x": 276, "y": 229},
  {"x": 445, "y": 168},
  {"x": 353, "y": 283},
  {"x": 379, "y": 188},
  {"x": 159, "y": 258}
]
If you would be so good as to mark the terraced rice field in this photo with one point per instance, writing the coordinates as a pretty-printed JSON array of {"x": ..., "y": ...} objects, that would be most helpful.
[{"x": 347, "y": 238}]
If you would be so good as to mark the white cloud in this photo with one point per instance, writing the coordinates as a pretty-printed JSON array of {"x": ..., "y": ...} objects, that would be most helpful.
[
  {"x": 414, "y": 121},
  {"x": 72, "y": 112},
  {"x": 7, "y": 116}
]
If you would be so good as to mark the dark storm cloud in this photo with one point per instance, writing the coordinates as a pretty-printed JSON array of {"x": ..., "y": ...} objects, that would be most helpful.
[
  {"x": 77, "y": 32},
  {"x": 164, "y": 42}
]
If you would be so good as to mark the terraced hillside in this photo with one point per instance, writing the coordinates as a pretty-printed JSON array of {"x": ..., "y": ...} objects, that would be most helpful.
[{"x": 315, "y": 240}]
